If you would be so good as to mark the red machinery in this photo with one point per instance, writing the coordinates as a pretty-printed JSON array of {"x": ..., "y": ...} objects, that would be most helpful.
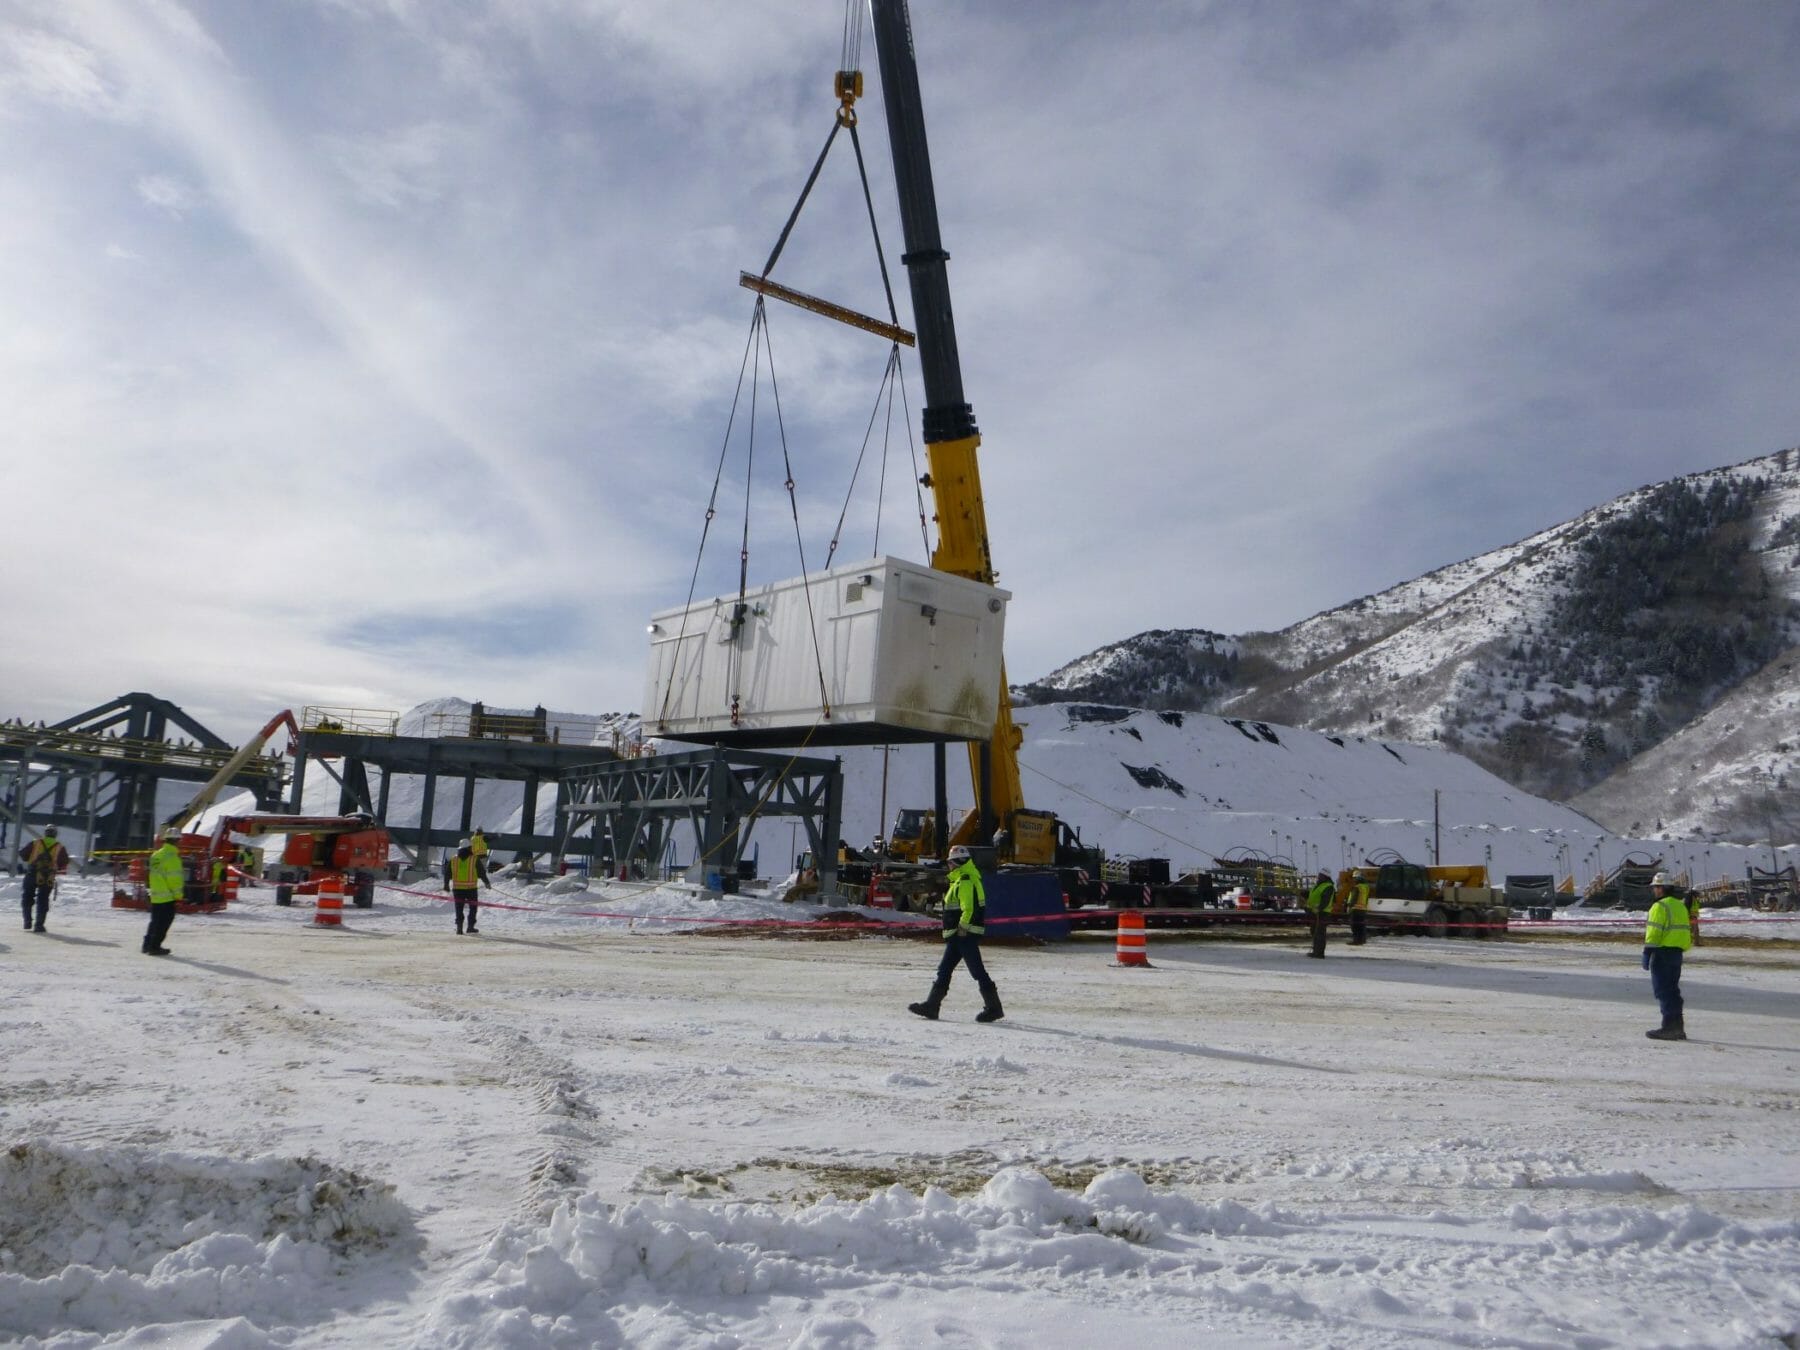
[{"x": 353, "y": 847}]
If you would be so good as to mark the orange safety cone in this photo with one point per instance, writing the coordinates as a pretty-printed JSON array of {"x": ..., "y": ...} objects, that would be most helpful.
[
  {"x": 1131, "y": 950},
  {"x": 330, "y": 911}
]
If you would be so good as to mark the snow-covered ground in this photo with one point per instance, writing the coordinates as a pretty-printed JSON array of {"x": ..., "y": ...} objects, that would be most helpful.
[{"x": 576, "y": 1130}]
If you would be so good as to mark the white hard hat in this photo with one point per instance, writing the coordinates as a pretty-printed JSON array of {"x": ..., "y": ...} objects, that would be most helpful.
[
  {"x": 959, "y": 853},
  {"x": 463, "y": 843},
  {"x": 172, "y": 834},
  {"x": 1660, "y": 879}
]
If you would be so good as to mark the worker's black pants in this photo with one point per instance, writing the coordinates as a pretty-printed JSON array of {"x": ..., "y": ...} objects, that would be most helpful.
[
  {"x": 469, "y": 898},
  {"x": 1359, "y": 927},
  {"x": 1665, "y": 981},
  {"x": 1318, "y": 932},
  {"x": 35, "y": 899},
  {"x": 966, "y": 948},
  {"x": 162, "y": 917}
]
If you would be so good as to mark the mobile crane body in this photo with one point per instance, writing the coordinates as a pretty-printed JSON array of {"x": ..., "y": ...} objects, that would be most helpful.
[{"x": 952, "y": 470}]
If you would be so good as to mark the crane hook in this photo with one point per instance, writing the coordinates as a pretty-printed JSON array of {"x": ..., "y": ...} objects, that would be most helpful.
[{"x": 848, "y": 87}]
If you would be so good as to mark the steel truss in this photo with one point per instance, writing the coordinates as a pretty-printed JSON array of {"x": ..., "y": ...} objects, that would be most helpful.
[
  {"x": 621, "y": 814},
  {"x": 99, "y": 771}
]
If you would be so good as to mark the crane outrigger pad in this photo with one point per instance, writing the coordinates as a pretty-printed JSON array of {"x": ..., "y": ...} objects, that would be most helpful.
[{"x": 884, "y": 651}]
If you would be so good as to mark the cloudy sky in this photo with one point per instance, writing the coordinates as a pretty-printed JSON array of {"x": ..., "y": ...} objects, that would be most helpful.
[{"x": 357, "y": 352}]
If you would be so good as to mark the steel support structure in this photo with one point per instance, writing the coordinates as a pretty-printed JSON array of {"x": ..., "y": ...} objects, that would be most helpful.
[
  {"x": 365, "y": 766},
  {"x": 621, "y": 814},
  {"x": 99, "y": 772}
]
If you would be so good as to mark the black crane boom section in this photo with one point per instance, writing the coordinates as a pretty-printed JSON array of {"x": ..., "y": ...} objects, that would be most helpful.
[{"x": 947, "y": 415}]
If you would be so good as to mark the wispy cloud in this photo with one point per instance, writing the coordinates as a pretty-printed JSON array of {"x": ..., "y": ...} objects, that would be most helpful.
[
  {"x": 167, "y": 193},
  {"x": 359, "y": 326}
]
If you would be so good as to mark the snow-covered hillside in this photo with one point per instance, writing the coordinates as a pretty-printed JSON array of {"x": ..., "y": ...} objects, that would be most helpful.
[
  {"x": 1518, "y": 657},
  {"x": 1727, "y": 769}
]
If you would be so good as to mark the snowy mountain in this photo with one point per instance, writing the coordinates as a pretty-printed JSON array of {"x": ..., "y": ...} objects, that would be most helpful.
[{"x": 1665, "y": 620}]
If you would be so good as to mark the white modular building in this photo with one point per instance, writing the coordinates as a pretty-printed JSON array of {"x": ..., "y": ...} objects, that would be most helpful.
[{"x": 884, "y": 651}]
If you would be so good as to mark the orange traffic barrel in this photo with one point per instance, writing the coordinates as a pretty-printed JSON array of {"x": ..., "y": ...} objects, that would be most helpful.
[
  {"x": 1131, "y": 950},
  {"x": 330, "y": 911},
  {"x": 228, "y": 891}
]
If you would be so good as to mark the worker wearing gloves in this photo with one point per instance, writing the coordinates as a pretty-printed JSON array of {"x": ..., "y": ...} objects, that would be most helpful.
[
  {"x": 44, "y": 858},
  {"x": 965, "y": 913},
  {"x": 464, "y": 872},
  {"x": 1318, "y": 904},
  {"x": 167, "y": 882},
  {"x": 1359, "y": 913},
  {"x": 1668, "y": 932}
]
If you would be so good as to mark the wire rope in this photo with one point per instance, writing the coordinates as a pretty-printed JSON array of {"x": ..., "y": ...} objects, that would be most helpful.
[{"x": 712, "y": 503}]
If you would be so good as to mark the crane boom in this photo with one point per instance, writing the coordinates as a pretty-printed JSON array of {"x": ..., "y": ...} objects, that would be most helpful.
[
  {"x": 950, "y": 434},
  {"x": 210, "y": 790}
]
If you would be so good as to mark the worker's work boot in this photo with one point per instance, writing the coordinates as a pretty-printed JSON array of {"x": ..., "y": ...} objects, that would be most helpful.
[
  {"x": 1671, "y": 1030},
  {"x": 929, "y": 1008},
  {"x": 991, "y": 1010}
]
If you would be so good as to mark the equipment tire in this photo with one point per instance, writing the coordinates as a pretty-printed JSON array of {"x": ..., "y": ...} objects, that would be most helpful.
[
  {"x": 364, "y": 896},
  {"x": 284, "y": 895},
  {"x": 1437, "y": 922}
]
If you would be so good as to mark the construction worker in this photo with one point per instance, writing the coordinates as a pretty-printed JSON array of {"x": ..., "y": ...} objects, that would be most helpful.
[
  {"x": 1318, "y": 904},
  {"x": 44, "y": 859},
  {"x": 478, "y": 845},
  {"x": 463, "y": 873},
  {"x": 166, "y": 885},
  {"x": 965, "y": 915},
  {"x": 1359, "y": 913},
  {"x": 1668, "y": 932}
]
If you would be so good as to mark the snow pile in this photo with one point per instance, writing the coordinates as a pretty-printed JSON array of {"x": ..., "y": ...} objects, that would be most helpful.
[
  {"x": 107, "y": 1239},
  {"x": 595, "y": 1273},
  {"x": 675, "y": 1270}
]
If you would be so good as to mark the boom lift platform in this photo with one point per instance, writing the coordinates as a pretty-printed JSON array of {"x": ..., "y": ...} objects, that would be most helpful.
[{"x": 315, "y": 848}]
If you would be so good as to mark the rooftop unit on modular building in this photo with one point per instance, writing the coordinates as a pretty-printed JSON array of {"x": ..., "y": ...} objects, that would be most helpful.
[{"x": 885, "y": 651}]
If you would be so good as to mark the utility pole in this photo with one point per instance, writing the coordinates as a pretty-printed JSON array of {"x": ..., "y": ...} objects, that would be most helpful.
[{"x": 1437, "y": 832}]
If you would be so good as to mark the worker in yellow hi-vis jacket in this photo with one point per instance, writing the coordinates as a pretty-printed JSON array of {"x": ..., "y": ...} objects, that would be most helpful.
[
  {"x": 464, "y": 872},
  {"x": 44, "y": 859},
  {"x": 1668, "y": 932},
  {"x": 168, "y": 882},
  {"x": 1318, "y": 905},
  {"x": 965, "y": 920}
]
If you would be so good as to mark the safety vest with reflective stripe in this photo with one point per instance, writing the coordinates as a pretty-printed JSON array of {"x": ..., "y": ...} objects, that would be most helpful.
[
  {"x": 465, "y": 873},
  {"x": 1319, "y": 898},
  {"x": 965, "y": 902},
  {"x": 1670, "y": 924},
  {"x": 1359, "y": 897},
  {"x": 166, "y": 879}
]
